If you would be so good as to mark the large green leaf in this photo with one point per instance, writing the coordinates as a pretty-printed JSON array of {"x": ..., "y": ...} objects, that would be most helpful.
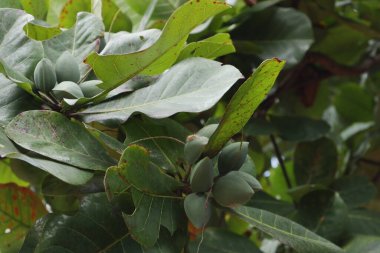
[
  {"x": 315, "y": 162},
  {"x": 325, "y": 213},
  {"x": 355, "y": 190},
  {"x": 114, "y": 70},
  {"x": 364, "y": 222},
  {"x": 264, "y": 201},
  {"x": 70, "y": 10},
  {"x": 150, "y": 214},
  {"x": 219, "y": 241},
  {"x": 163, "y": 138},
  {"x": 96, "y": 227},
  {"x": 53, "y": 135},
  {"x": 286, "y": 231},
  {"x": 38, "y": 8},
  {"x": 19, "y": 209},
  {"x": 8, "y": 176},
  {"x": 361, "y": 244},
  {"x": 244, "y": 103},
  {"x": 64, "y": 172},
  {"x": 114, "y": 20},
  {"x": 193, "y": 85},
  {"x": 80, "y": 40},
  {"x": 137, "y": 168},
  {"x": 19, "y": 52},
  {"x": 278, "y": 32},
  {"x": 13, "y": 100}
]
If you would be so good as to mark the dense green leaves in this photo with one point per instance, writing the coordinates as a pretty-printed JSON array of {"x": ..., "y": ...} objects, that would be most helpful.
[
  {"x": 244, "y": 103},
  {"x": 286, "y": 231},
  {"x": 113, "y": 70},
  {"x": 57, "y": 137},
  {"x": 193, "y": 85}
]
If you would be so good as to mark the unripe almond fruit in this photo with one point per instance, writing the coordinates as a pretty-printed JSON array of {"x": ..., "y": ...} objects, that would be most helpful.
[
  {"x": 202, "y": 175},
  {"x": 232, "y": 157},
  {"x": 67, "y": 68},
  {"x": 197, "y": 209},
  {"x": 194, "y": 148},
  {"x": 44, "y": 75}
]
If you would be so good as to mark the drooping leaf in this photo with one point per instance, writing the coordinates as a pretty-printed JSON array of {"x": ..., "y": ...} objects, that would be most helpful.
[
  {"x": 286, "y": 231},
  {"x": 80, "y": 40},
  {"x": 114, "y": 70},
  {"x": 19, "y": 209},
  {"x": 315, "y": 162},
  {"x": 53, "y": 135},
  {"x": 163, "y": 138},
  {"x": 150, "y": 214},
  {"x": 137, "y": 168},
  {"x": 244, "y": 103},
  {"x": 40, "y": 30},
  {"x": 64, "y": 172},
  {"x": 210, "y": 48},
  {"x": 278, "y": 32},
  {"x": 193, "y": 85},
  {"x": 17, "y": 51},
  {"x": 219, "y": 240}
]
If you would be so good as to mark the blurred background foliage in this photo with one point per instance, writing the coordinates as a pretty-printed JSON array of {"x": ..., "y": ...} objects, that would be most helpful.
[{"x": 315, "y": 140}]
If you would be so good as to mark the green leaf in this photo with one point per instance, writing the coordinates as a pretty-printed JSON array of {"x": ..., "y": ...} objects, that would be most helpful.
[
  {"x": 355, "y": 190},
  {"x": 210, "y": 48},
  {"x": 286, "y": 231},
  {"x": 264, "y": 201},
  {"x": 80, "y": 40},
  {"x": 53, "y": 135},
  {"x": 64, "y": 172},
  {"x": 114, "y": 20},
  {"x": 20, "y": 53},
  {"x": 70, "y": 10},
  {"x": 292, "y": 128},
  {"x": 325, "y": 213},
  {"x": 315, "y": 162},
  {"x": 343, "y": 44},
  {"x": 244, "y": 103},
  {"x": 139, "y": 170},
  {"x": 13, "y": 100},
  {"x": 278, "y": 32},
  {"x": 38, "y": 30},
  {"x": 19, "y": 209},
  {"x": 150, "y": 214},
  {"x": 361, "y": 244},
  {"x": 114, "y": 70},
  {"x": 38, "y": 8},
  {"x": 163, "y": 138},
  {"x": 8, "y": 176},
  {"x": 96, "y": 227},
  {"x": 364, "y": 222},
  {"x": 219, "y": 240},
  {"x": 354, "y": 104},
  {"x": 193, "y": 85}
]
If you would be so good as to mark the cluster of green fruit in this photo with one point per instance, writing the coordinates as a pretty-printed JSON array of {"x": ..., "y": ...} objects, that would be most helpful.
[
  {"x": 217, "y": 181},
  {"x": 61, "y": 79}
]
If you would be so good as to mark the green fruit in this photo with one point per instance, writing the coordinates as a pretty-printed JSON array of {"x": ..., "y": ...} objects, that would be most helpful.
[
  {"x": 232, "y": 190},
  {"x": 198, "y": 210},
  {"x": 202, "y": 175},
  {"x": 90, "y": 88},
  {"x": 194, "y": 148},
  {"x": 232, "y": 157},
  {"x": 208, "y": 130},
  {"x": 44, "y": 75},
  {"x": 67, "y": 89},
  {"x": 67, "y": 68},
  {"x": 251, "y": 180}
]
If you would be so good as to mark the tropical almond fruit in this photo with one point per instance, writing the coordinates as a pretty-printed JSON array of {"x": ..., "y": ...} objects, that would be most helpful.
[
  {"x": 44, "y": 76},
  {"x": 198, "y": 209},
  {"x": 202, "y": 175},
  {"x": 232, "y": 157},
  {"x": 194, "y": 148},
  {"x": 67, "y": 68}
]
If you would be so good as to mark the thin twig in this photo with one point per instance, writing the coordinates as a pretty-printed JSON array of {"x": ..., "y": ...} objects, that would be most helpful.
[{"x": 281, "y": 161}]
